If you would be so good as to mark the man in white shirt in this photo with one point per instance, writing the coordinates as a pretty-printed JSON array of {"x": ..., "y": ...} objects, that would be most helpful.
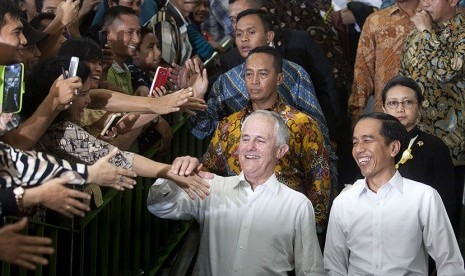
[
  {"x": 386, "y": 224},
  {"x": 250, "y": 224}
]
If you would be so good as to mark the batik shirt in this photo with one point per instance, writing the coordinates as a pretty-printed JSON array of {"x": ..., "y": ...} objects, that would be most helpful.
[
  {"x": 435, "y": 59},
  {"x": 229, "y": 94},
  {"x": 305, "y": 167},
  {"x": 378, "y": 57},
  {"x": 305, "y": 15},
  {"x": 71, "y": 142}
]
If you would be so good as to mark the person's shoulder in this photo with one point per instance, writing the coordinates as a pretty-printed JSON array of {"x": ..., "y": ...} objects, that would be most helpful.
[
  {"x": 418, "y": 188},
  {"x": 294, "y": 69},
  {"x": 231, "y": 119},
  {"x": 295, "y": 196},
  {"x": 350, "y": 192}
]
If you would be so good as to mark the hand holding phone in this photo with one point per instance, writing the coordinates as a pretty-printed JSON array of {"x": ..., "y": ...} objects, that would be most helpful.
[
  {"x": 114, "y": 119},
  {"x": 161, "y": 77}
]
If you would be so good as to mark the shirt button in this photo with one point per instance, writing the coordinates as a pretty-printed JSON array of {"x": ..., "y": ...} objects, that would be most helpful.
[
  {"x": 235, "y": 270},
  {"x": 240, "y": 247}
]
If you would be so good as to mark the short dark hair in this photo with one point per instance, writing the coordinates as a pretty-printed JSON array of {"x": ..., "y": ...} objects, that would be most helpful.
[
  {"x": 143, "y": 32},
  {"x": 41, "y": 79},
  {"x": 39, "y": 5},
  {"x": 36, "y": 22},
  {"x": 277, "y": 58},
  {"x": 391, "y": 128},
  {"x": 116, "y": 12},
  {"x": 253, "y": 4},
  {"x": 84, "y": 48},
  {"x": 263, "y": 15},
  {"x": 9, "y": 7},
  {"x": 402, "y": 81}
]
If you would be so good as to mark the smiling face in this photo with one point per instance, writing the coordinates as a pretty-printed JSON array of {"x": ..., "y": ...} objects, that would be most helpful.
[
  {"x": 262, "y": 80},
  {"x": 95, "y": 67},
  {"x": 250, "y": 33},
  {"x": 148, "y": 57},
  {"x": 439, "y": 10},
  {"x": 407, "y": 116},
  {"x": 258, "y": 152},
  {"x": 373, "y": 155},
  {"x": 201, "y": 11},
  {"x": 76, "y": 111},
  {"x": 12, "y": 40},
  {"x": 124, "y": 36}
]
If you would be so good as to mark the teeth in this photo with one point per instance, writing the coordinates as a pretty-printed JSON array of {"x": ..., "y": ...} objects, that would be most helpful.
[
  {"x": 364, "y": 159},
  {"x": 96, "y": 77},
  {"x": 251, "y": 157}
]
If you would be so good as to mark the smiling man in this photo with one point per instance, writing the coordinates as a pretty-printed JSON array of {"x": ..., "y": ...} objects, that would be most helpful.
[
  {"x": 251, "y": 224},
  {"x": 123, "y": 28},
  {"x": 386, "y": 224},
  {"x": 305, "y": 168}
]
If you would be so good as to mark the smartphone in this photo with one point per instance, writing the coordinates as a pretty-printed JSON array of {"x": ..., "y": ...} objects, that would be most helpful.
[
  {"x": 73, "y": 66},
  {"x": 114, "y": 119},
  {"x": 103, "y": 37},
  {"x": 11, "y": 87},
  {"x": 161, "y": 77}
]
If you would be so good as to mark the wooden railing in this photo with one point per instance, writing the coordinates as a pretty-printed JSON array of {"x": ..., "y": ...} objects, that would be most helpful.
[{"x": 120, "y": 237}]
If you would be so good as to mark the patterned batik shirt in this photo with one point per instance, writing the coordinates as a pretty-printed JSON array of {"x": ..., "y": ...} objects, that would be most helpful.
[
  {"x": 71, "y": 142},
  {"x": 305, "y": 15},
  {"x": 229, "y": 94},
  {"x": 305, "y": 167},
  {"x": 435, "y": 59},
  {"x": 378, "y": 57}
]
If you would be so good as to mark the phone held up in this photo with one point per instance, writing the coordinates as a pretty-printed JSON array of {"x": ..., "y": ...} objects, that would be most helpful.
[
  {"x": 11, "y": 87},
  {"x": 114, "y": 119},
  {"x": 161, "y": 77}
]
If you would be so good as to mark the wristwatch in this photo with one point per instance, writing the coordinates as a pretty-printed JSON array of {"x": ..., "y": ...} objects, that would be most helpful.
[{"x": 19, "y": 194}]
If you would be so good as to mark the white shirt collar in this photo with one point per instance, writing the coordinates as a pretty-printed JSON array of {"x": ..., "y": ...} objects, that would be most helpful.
[
  {"x": 272, "y": 183},
  {"x": 395, "y": 182}
]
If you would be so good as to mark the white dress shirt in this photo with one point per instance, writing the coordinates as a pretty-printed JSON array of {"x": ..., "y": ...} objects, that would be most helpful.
[
  {"x": 268, "y": 231},
  {"x": 390, "y": 232}
]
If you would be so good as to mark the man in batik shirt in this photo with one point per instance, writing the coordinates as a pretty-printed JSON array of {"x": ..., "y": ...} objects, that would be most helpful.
[
  {"x": 305, "y": 167},
  {"x": 379, "y": 53},
  {"x": 434, "y": 56}
]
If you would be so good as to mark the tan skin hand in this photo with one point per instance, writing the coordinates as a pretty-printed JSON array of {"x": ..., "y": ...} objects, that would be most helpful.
[
  {"x": 23, "y": 250},
  {"x": 54, "y": 195},
  {"x": 63, "y": 90},
  {"x": 192, "y": 184},
  {"x": 117, "y": 178},
  {"x": 422, "y": 21},
  {"x": 67, "y": 11}
]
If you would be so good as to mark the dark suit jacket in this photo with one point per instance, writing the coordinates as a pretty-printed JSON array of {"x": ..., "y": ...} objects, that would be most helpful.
[{"x": 298, "y": 47}]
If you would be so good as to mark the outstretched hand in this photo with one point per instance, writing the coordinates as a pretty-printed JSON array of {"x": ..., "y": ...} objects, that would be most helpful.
[
  {"x": 174, "y": 101},
  {"x": 117, "y": 178},
  {"x": 22, "y": 250}
]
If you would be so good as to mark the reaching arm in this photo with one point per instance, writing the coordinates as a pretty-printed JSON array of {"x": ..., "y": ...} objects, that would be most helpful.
[
  {"x": 119, "y": 102},
  {"x": 28, "y": 133}
]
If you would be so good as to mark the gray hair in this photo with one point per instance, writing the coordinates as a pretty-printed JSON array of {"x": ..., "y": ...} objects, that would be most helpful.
[{"x": 280, "y": 128}]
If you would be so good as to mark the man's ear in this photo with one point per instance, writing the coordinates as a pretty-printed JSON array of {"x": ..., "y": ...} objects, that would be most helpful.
[
  {"x": 395, "y": 148},
  {"x": 269, "y": 37},
  {"x": 280, "y": 78},
  {"x": 282, "y": 150}
]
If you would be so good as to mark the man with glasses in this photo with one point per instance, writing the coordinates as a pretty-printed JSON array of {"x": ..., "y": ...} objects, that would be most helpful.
[{"x": 424, "y": 157}]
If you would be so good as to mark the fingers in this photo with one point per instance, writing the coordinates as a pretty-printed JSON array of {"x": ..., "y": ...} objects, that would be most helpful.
[
  {"x": 111, "y": 155},
  {"x": 16, "y": 227},
  {"x": 74, "y": 207},
  {"x": 35, "y": 245},
  {"x": 206, "y": 175},
  {"x": 24, "y": 263},
  {"x": 189, "y": 192}
]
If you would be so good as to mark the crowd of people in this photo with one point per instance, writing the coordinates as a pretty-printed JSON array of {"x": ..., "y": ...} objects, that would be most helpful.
[{"x": 336, "y": 128}]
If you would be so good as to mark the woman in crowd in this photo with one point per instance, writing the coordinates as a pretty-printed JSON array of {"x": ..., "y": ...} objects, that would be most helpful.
[
  {"x": 425, "y": 158},
  {"x": 66, "y": 139}
]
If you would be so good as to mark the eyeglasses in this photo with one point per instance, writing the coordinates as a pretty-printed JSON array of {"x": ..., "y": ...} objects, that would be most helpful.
[{"x": 405, "y": 104}]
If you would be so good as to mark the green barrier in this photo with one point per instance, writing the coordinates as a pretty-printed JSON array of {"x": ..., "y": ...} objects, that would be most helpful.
[{"x": 120, "y": 237}]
